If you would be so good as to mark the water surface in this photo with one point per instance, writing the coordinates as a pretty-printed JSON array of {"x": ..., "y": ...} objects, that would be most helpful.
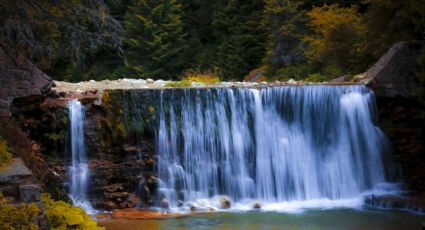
[{"x": 336, "y": 219}]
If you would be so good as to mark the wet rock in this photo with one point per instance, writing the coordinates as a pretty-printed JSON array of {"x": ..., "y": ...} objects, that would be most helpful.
[
  {"x": 412, "y": 203},
  {"x": 180, "y": 203},
  {"x": 193, "y": 209},
  {"x": 403, "y": 121},
  {"x": 225, "y": 202},
  {"x": 257, "y": 205},
  {"x": 164, "y": 203},
  {"x": 113, "y": 188},
  {"x": 345, "y": 78},
  {"x": 110, "y": 205},
  {"x": 291, "y": 81},
  {"x": 30, "y": 193}
]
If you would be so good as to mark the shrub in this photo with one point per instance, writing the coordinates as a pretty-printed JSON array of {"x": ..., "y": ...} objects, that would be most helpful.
[
  {"x": 315, "y": 78},
  {"x": 190, "y": 77},
  {"x": 296, "y": 72},
  {"x": 5, "y": 155},
  {"x": 62, "y": 215},
  {"x": 208, "y": 78},
  {"x": 17, "y": 217}
]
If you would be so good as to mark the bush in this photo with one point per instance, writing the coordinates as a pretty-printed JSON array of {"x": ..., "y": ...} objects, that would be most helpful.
[
  {"x": 337, "y": 37},
  {"x": 202, "y": 78},
  {"x": 5, "y": 155},
  {"x": 317, "y": 77},
  {"x": 18, "y": 217},
  {"x": 190, "y": 77},
  {"x": 296, "y": 72},
  {"x": 62, "y": 215}
]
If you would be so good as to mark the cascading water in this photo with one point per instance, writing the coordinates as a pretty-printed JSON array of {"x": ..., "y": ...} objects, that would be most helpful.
[
  {"x": 269, "y": 145},
  {"x": 78, "y": 171}
]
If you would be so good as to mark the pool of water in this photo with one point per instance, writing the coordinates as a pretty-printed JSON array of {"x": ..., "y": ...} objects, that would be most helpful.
[{"x": 308, "y": 220}]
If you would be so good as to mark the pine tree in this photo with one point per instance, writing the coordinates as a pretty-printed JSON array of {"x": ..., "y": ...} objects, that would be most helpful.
[
  {"x": 240, "y": 45},
  {"x": 197, "y": 19},
  {"x": 155, "y": 39},
  {"x": 392, "y": 21},
  {"x": 285, "y": 22}
]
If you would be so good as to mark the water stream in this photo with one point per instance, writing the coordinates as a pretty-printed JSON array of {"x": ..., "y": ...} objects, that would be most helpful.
[
  {"x": 279, "y": 146},
  {"x": 78, "y": 171}
]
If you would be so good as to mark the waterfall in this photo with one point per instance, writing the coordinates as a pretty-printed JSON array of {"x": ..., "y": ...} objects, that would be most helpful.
[
  {"x": 78, "y": 171},
  {"x": 271, "y": 145}
]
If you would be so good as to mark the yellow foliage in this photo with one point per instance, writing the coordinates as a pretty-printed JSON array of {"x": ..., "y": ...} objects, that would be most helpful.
[
  {"x": 189, "y": 78},
  {"x": 5, "y": 155},
  {"x": 62, "y": 215},
  {"x": 336, "y": 36},
  {"x": 18, "y": 217},
  {"x": 151, "y": 109},
  {"x": 202, "y": 78}
]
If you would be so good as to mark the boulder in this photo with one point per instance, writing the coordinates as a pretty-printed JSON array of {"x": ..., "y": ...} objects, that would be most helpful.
[
  {"x": 257, "y": 205},
  {"x": 164, "y": 203},
  {"x": 30, "y": 193},
  {"x": 395, "y": 73},
  {"x": 17, "y": 181},
  {"x": 225, "y": 202}
]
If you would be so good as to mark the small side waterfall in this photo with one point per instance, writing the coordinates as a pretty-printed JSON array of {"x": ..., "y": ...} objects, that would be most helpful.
[
  {"x": 270, "y": 145},
  {"x": 78, "y": 171}
]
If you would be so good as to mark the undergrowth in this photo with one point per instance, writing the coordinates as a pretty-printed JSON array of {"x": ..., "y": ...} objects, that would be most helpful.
[{"x": 62, "y": 215}]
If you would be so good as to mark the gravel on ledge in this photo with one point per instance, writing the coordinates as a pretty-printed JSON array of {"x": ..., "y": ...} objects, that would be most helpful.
[{"x": 126, "y": 83}]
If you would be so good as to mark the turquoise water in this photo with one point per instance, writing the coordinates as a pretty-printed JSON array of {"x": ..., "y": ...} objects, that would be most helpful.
[{"x": 335, "y": 219}]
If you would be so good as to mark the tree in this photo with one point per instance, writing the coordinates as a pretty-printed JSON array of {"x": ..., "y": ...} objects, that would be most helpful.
[
  {"x": 285, "y": 23},
  {"x": 336, "y": 39},
  {"x": 240, "y": 43},
  {"x": 198, "y": 25},
  {"x": 155, "y": 39},
  {"x": 47, "y": 30},
  {"x": 389, "y": 22}
]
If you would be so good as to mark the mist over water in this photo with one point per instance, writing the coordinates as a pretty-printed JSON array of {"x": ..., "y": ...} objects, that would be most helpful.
[{"x": 278, "y": 145}]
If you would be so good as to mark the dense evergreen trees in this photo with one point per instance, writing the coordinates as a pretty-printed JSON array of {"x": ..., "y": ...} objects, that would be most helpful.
[
  {"x": 315, "y": 39},
  {"x": 155, "y": 39},
  {"x": 286, "y": 25},
  {"x": 240, "y": 39}
]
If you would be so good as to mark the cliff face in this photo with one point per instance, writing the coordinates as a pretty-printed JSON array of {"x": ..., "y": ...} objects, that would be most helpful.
[
  {"x": 21, "y": 83},
  {"x": 395, "y": 73},
  {"x": 402, "y": 117},
  {"x": 119, "y": 139},
  {"x": 403, "y": 121}
]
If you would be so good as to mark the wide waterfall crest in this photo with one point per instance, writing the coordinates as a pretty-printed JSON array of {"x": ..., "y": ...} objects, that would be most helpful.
[
  {"x": 271, "y": 145},
  {"x": 78, "y": 171}
]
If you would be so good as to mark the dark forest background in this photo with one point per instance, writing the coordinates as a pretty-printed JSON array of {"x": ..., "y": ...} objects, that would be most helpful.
[{"x": 312, "y": 40}]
